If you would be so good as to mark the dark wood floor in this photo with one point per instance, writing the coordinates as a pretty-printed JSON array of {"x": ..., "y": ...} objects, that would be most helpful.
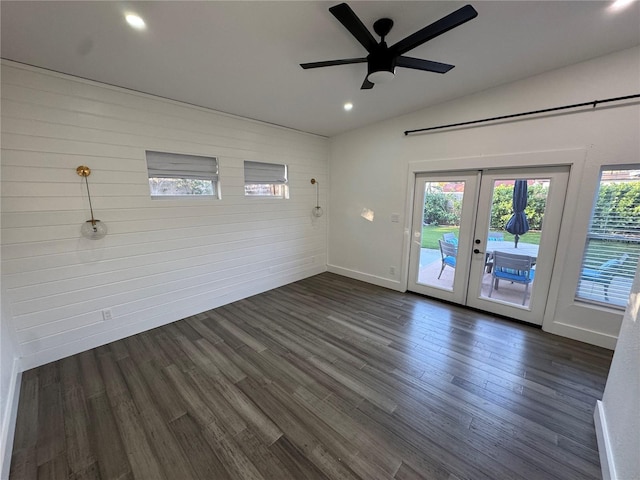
[{"x": 324, "y": 378}]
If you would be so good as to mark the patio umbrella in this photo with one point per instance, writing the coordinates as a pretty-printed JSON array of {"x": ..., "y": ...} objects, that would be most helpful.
[{"x": 518, "y": 223}]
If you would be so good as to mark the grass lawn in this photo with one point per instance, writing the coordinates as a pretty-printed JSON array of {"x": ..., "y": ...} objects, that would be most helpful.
[{"x": 431, "y": 234}]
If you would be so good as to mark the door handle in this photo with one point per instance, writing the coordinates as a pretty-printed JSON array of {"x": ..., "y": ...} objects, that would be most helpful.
[{"x": 477, "y": 251}]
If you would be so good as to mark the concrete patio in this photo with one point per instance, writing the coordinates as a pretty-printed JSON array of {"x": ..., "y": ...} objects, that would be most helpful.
[
  {"x": 430, "y": 264},
  {"x": 507, "y": 292}
]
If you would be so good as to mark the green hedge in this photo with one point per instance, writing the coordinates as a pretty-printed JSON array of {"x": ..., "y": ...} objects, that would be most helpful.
[
  {"x": 441, "y": 209},
  {"x": 502, "y": 207},
  {"x": 615, "y": 201}
]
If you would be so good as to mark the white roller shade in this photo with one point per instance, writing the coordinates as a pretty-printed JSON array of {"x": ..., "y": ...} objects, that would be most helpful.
[
  {"x": 174, "y": 165},
  {"x": 264, "y": 173}
]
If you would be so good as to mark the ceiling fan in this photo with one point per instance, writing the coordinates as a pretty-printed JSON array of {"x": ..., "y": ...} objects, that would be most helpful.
[{"x": 383, "y": 60}]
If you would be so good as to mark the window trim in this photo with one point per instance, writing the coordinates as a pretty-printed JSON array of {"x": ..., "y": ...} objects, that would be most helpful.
[
  {"x": 172, "y": 165},
  {"x": 588, "y": 267},
  {"x": 267, "y": 174}
]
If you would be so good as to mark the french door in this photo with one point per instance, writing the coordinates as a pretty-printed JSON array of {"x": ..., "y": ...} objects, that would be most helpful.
[{"x": 463, "y": 240}]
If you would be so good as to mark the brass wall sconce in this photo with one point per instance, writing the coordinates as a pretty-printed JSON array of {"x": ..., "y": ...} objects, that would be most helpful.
[
  {"x": 317, "y": 210},
  {"x": 92, "y": 229}
]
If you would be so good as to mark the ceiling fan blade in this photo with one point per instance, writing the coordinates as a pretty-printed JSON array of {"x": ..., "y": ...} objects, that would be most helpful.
[
  {"x": 366, "y": 85},
  {"x": 420, "y": 64},
  {"x": 453, "y": 20},
  {"x": 350, "y": 20},
  {"x": 329, "y": 63}
]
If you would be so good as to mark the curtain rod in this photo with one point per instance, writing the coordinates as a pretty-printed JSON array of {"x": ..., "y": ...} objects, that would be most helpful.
[{"x": 533, "y": 112}]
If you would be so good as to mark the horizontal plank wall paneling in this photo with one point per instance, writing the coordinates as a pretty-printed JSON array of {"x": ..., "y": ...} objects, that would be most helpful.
[{"x": 163, "y": 259}]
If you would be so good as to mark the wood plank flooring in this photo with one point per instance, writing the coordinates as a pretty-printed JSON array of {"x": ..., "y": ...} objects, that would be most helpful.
[{"x": 324, "y": 378}]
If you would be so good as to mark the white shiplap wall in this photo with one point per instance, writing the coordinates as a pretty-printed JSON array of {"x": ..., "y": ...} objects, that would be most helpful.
[{"x": 163, "y": 259}]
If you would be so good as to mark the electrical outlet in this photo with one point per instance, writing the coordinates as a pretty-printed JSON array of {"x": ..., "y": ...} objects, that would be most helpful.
[
  {"x": 106, "y": 314},
  {"x": 392, "y": 270}
]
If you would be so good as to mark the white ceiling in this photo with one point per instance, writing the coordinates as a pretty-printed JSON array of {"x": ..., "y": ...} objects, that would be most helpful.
[{"x": 243, "y": 57}]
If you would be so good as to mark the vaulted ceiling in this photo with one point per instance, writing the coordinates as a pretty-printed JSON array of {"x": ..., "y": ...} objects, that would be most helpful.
[{"x": 243, "y": 57}]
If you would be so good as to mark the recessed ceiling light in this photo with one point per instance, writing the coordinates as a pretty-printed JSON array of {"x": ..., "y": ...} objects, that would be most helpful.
[
  {"x": 135, "y": 21},
  {"x": 348, "y": 106},
  {"x": 620, "y": 4}
]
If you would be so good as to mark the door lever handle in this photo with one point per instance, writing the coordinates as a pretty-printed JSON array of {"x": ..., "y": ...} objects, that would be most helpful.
[{"x": 477, "y": 251}]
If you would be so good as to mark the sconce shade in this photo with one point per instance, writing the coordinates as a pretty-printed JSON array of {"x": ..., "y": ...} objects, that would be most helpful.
[{"x": 93, "y": 229}]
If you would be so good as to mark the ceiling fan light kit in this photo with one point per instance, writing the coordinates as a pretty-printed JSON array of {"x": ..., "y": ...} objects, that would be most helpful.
[
  {"x": 382, "y": 59},
  {"x": 381, "y": 67},
  {"x": 381, "y": 76}
]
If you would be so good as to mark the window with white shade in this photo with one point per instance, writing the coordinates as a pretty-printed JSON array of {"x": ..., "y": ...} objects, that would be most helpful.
[
  {"x": 265, "y": 180},
  {"x": 613, "y": 242},
  {"x": 178, "y": 175}
]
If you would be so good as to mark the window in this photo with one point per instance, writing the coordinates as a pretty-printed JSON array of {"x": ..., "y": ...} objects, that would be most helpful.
[
  {"x": 175, "y": 175},
  {"x": 265, "y": 180},
  {"x": 613, "y": 241}
]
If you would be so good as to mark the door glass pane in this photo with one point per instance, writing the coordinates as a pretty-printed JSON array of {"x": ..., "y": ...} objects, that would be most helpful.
[
  {"x": 613, "y": 241},
  {"x": 442, "y": 208},
  {"x": 515, "y": 227}
]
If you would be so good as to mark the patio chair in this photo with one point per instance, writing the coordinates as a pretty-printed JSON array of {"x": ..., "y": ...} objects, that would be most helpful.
[
  {"x": 450, "y": 238},
  {"x": 604, "y": 273},
  {"x": 449, "y": 253},
  {"x": 492, "y": 237},
  {"x": 514, "y": 268}
]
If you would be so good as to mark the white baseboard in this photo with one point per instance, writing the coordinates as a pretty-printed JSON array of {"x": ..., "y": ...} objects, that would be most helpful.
[
  {"x": 604, "y": 443},
  {"x": 232, "y": 293},
  {"x": 581, "y": 334},
  {"x": 366, "y": 277},
  {"x": 9, "y": 415}
]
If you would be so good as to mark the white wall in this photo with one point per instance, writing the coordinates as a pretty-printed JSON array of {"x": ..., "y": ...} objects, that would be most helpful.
[
  {"x": 10, "y": 376},
  {"x": 369, "y": 168},
  {"x": 618, "y": 414},
  {"x": 162, "y": 260}
]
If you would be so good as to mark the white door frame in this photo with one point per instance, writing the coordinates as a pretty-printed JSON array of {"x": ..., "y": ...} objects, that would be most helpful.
[
  {"x": 458, "y": 294},
  {"x": 574, "y": 158},
  {"x": 555, "y": 202}
]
